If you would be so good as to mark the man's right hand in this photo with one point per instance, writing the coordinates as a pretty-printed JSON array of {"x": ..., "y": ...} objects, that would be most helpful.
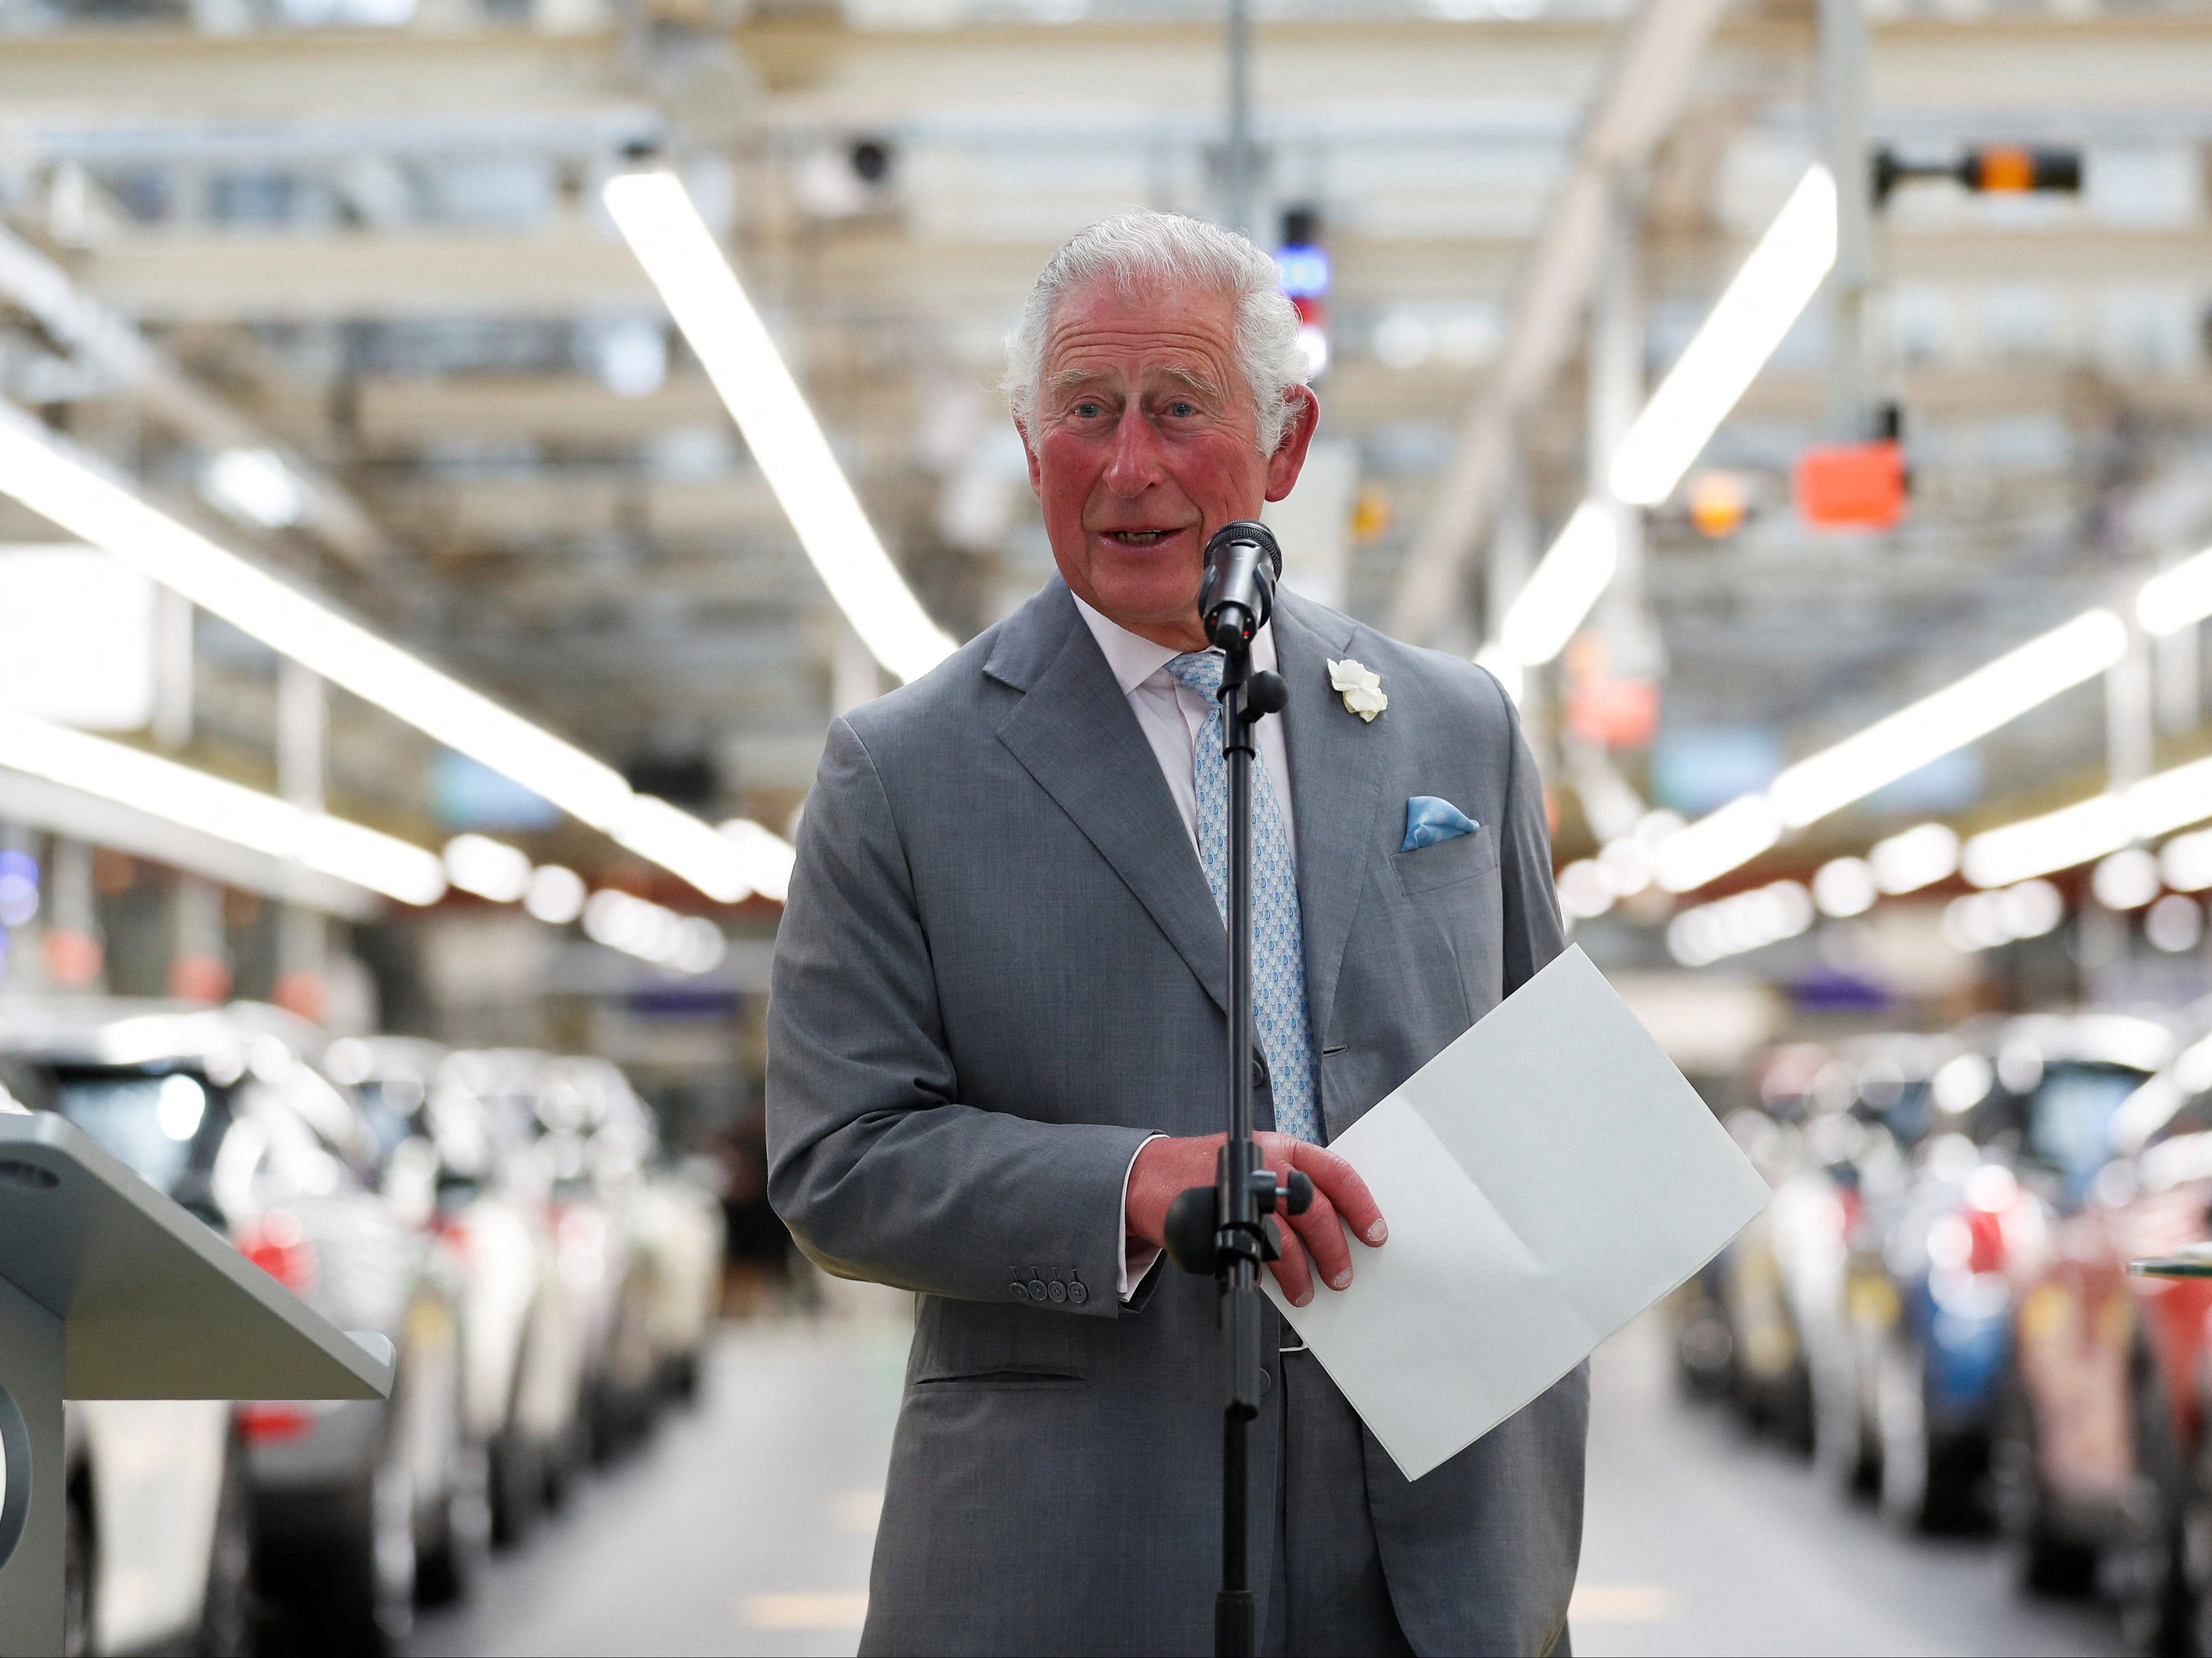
[{"x": 1314, "y": 1240}]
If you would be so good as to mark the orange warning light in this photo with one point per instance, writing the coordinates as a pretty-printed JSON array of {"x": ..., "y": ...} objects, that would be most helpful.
[
  {"x": 1615, "y": 713},
  {"x": 1852, "y": 486},
  {"x": 2005, "y": 169},
  {"x": 1717, "y": 502}
]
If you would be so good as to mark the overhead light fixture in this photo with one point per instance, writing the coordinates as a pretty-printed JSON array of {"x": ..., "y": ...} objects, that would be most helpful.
[
  {"x": 2090, "y": 830},
  {"x": 555, "y": 895},
  {"x": 1753, "y": 314},
  {"x": 1498, "y": 660},
  {"x": 1565, "y": 583},
  {"x": 1745, "y": 326},
  {"x": 69, "y": 485},
  {"x": 1749, "y": 921},
  {"x": 490, "y": 869},
  {"x": 2173, "y": 600},
  {"x": 214, "y": 806},
  {"x": 2056, "y": 839},
  {"x": 74, "y": 489},
  {"x": 1958, "y": 714},
  {"x": 1916, "y": 859},
  {"x": 655, "y": 215},
  {"x": 1716, "y": 843},
  {"x": 676, "y": 841},
  {"x": 1983, "y": 920},
  {"x": 768, "y": 857},
  {"x": 638, "y": 927},
  {"x": 256, "y": 485},
  {"x": 1844, "y": 887}
]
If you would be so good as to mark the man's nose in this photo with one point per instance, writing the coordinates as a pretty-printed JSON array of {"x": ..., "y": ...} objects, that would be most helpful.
[{"x": 1135, "y": 467}]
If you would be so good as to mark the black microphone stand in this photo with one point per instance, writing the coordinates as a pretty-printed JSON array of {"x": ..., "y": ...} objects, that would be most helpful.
[{"x": 1223, "y": 1229}]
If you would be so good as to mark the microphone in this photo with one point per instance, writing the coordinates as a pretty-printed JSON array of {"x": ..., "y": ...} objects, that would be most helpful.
[{"x": 1238, "y": 593}]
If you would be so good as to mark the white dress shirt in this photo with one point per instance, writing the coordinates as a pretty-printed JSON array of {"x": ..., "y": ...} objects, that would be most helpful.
[{"x": 1172, "y": 716}]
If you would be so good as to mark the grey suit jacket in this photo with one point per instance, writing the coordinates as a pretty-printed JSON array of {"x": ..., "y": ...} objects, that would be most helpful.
[{"x": 1000, "y": 969}]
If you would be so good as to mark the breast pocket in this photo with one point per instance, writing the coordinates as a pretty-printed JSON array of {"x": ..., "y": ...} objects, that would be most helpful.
[
  {"x": 1463, "y": 858},
  {"x": 1453, "y": 887}
]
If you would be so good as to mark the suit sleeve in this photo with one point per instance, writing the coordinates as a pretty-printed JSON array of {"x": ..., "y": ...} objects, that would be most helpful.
[
  {"x": 875, "y": 1165},
  {"x": 1534, "y": 934}
]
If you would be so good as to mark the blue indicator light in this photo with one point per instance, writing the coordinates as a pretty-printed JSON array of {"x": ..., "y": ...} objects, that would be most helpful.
[{"x": 1304, "y": 271}]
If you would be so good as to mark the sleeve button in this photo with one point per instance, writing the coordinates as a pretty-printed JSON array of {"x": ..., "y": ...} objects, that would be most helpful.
[
  {"x": 1057, "y": 1290},
  {"x": 1020, "y": 1292},
  {"x": 1077, "y": 1294},
  {"x": 1037, "y": 1290}
]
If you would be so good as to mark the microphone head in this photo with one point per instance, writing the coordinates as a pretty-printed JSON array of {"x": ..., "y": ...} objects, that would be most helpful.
[
  {"x": 1251, "y": 530},
  {"x": 1237, "y": 591}
]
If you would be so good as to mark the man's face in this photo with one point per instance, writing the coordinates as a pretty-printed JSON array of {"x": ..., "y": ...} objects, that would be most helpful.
[{"x": 1146, "y": 443}]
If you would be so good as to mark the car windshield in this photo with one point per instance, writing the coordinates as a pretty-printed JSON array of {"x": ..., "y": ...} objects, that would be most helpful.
[
  {"x": 165, "y": 1126},
  {"x": 2070, "y": 1118}
]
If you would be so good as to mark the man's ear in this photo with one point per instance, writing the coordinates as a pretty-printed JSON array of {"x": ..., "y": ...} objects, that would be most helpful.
[
  {"x": 1299, "y": 421},
  {"x": 1028, "y": 449}
]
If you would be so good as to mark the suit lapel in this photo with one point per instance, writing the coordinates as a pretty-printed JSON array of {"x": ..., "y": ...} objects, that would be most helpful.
[
  {"x": 1336, "y": 776},
  {"x": 1075, "y": 733}
]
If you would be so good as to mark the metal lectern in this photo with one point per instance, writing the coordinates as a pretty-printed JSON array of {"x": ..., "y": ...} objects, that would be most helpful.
[{"x": 108, "y": 1290}]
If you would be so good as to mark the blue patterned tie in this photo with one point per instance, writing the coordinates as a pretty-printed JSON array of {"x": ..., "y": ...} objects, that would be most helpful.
[{"x": 1279, "y": 968}]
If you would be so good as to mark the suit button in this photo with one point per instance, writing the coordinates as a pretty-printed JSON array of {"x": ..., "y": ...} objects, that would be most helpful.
[
  {"x": 1259, "y": 1074},
  {"x": 1020, "y": 1292},
  {"x": 1036, "y": 1289},
  {"x": 1077, "y": 1294},
  {"x": 1057, "y": 1290},
  {"x": 1266, "y": 1382}
]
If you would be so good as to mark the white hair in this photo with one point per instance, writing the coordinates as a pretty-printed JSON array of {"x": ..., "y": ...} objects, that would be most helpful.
[{"x": 1138, "y": 252}]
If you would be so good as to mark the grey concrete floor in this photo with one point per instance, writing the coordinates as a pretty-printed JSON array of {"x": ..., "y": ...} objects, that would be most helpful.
[{"x": 743, "y": 1526}]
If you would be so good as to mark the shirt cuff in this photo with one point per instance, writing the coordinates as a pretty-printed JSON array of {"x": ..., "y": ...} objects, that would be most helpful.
[{"x": 1137, "y": 1258}]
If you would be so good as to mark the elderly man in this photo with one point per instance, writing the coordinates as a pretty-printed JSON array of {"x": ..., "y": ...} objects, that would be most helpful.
[{"x": 996, "y": 1033}]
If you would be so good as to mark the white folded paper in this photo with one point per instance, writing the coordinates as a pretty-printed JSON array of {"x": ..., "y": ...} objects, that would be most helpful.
[{"x": 1545, "y": 1178}]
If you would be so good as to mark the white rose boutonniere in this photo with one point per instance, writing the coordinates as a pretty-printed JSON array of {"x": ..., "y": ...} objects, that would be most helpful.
[{"x": 1360, "y": 687}]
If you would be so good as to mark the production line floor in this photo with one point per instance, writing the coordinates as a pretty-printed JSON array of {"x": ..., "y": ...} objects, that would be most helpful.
[{"x": 744, "y": 1525}]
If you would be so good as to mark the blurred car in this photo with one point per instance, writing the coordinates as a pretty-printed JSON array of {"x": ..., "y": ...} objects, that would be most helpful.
[
  {"x": 2019, "y": 1130},
  {"x": 522, "y": 1353},
  {"x": 158, "y": 1541},
  {"x": 1874, "y": 1104},
  {"x": 2101, "y": 1456},
  {"x": 673, "y": 1218},
  {"x": 227, "y": 1111},
  {"x": 1740, "y": 1325},
  {"x": 552, "y": 1107}
]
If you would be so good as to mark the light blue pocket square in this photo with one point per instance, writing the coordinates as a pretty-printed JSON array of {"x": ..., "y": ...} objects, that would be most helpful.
[{"x": 1428, "y": 820}]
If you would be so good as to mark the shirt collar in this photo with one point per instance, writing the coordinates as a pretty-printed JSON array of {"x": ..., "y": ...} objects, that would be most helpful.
[{"x": 1134, "y": 658}]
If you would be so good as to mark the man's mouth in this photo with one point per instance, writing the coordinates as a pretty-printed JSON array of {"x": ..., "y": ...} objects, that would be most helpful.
[{"x": 1137, "y": 537}]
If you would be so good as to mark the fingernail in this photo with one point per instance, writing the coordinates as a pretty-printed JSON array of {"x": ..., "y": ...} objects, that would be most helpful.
[
  {"x": 1340, "y": 1280},
  {"x": 1303, "y": 1299},
  {"x": 1378, "y": 1232}
]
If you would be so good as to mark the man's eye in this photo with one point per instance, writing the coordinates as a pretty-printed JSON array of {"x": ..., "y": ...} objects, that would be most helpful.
[
  {"x": 1182, "y": 407},
  {"x": 1088, "y": 410}
]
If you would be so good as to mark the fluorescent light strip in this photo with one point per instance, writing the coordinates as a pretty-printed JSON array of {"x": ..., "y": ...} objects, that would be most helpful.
[
  {"x": 2092, "y": 828},
  {"x": 1959, "y": 714},
  {"x": 2174, "y": 598},
  {"x": 1753, "y": 314},
  {"x": 214, "y": 806},
  {"x": 1891, "y": 748},
  {"x": 1565, "y": 584},
  {"x": 676, "y": 839},
  {"x": 76, "y": 490},
  {"x": 655, "y": 214},
  {"x": 1748, "y": 321},
  {"x": 1716, "y": 843}
]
